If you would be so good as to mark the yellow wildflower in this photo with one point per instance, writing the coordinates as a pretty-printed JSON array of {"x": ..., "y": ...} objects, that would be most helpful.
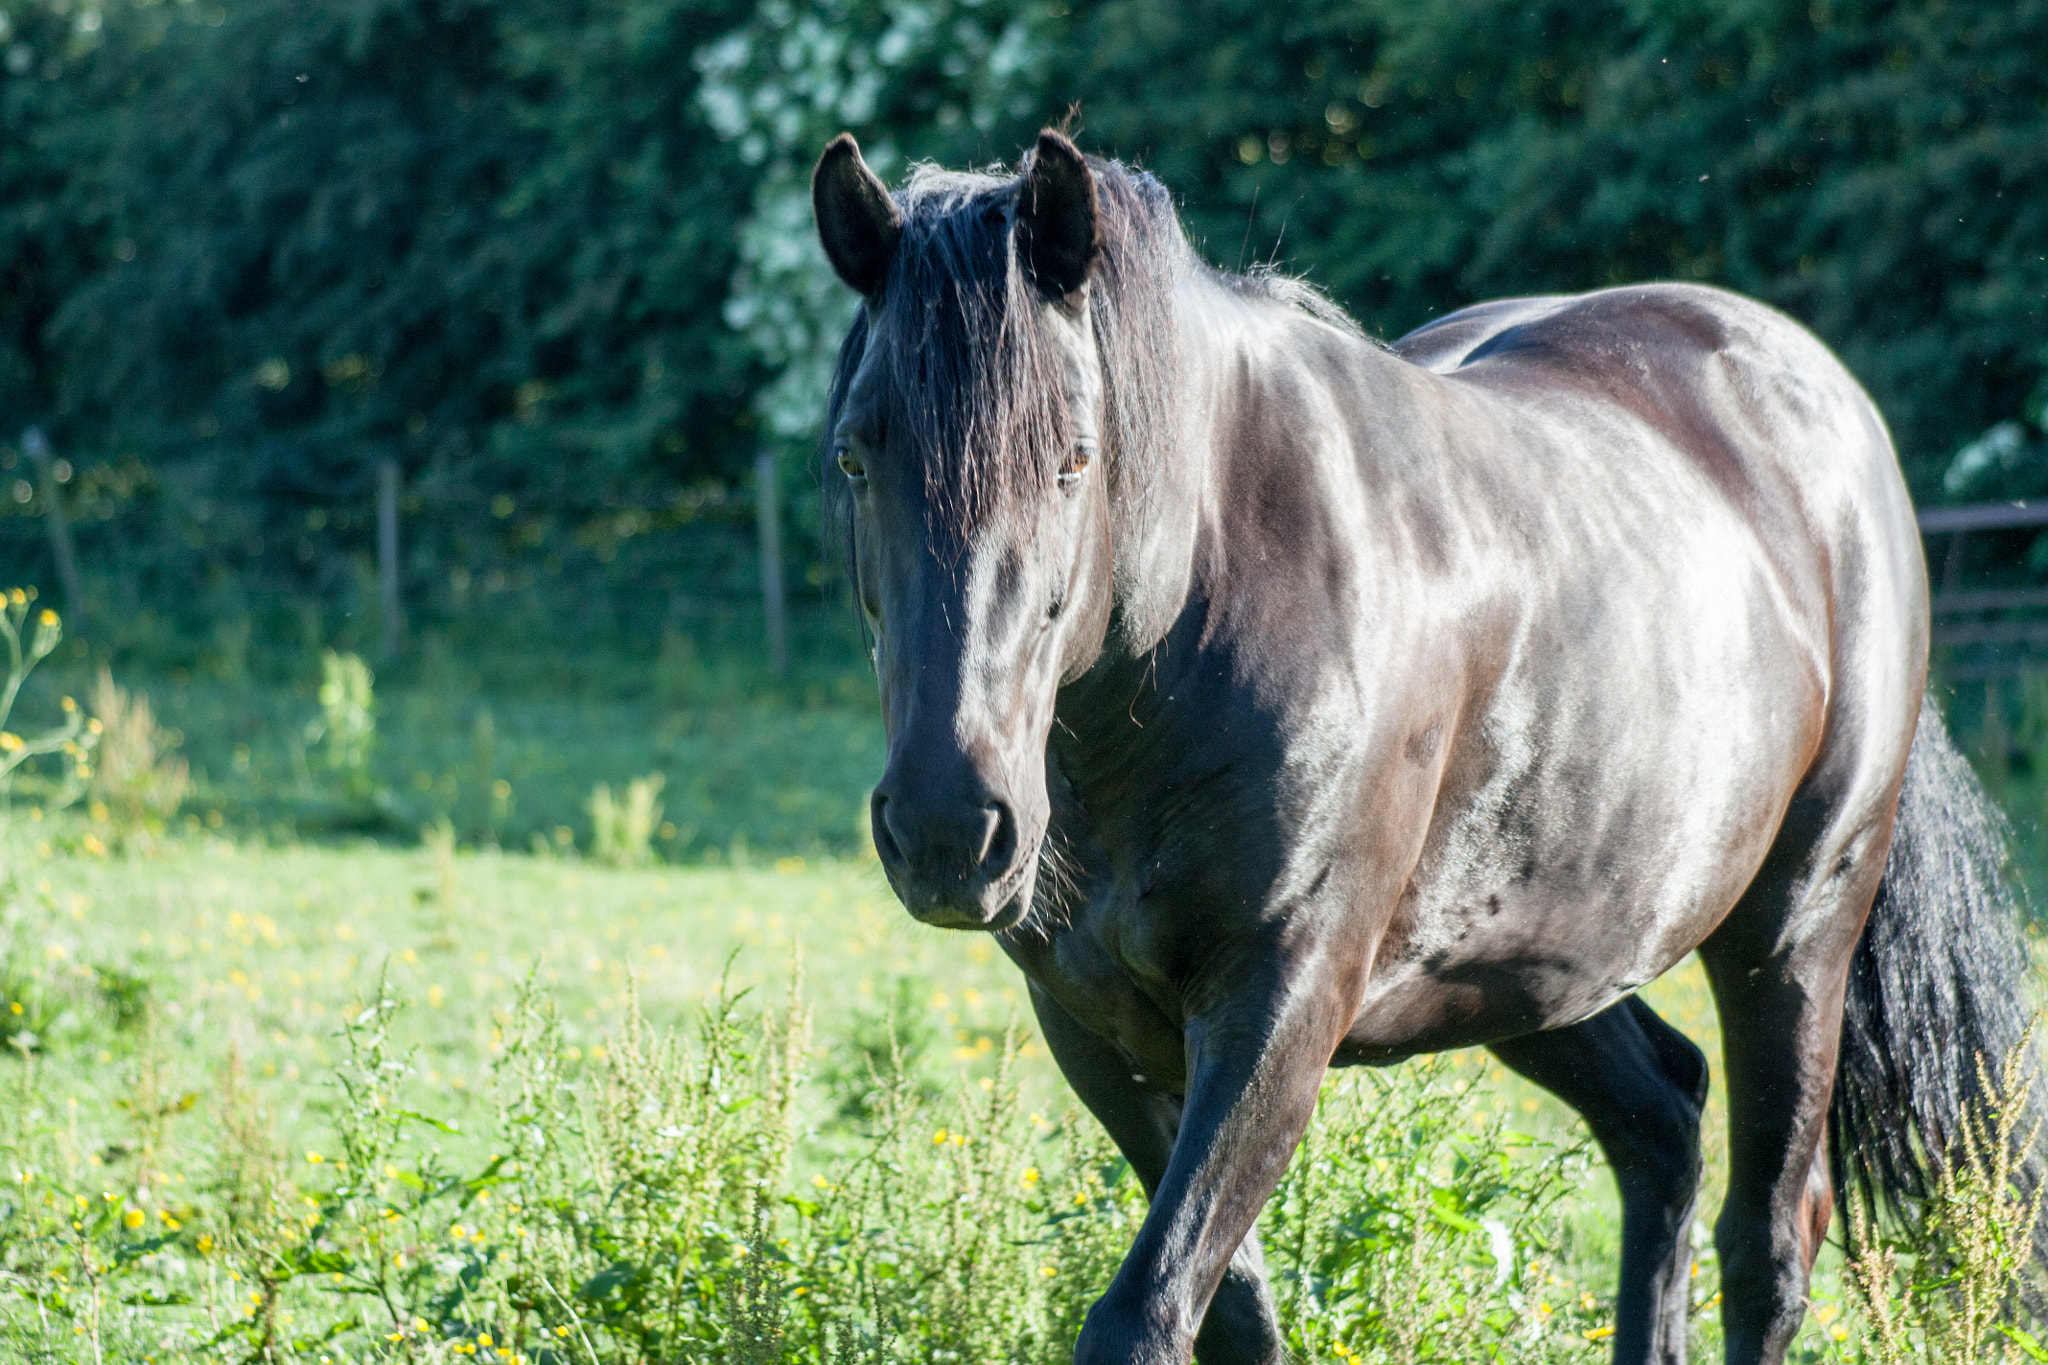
[
  {"x": 9, "y": 742},
  {"x": 1030, "y": 1176},
  {"x": 132, "y": 1219}
]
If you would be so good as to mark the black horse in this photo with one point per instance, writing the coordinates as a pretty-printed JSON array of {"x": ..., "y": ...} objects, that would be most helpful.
[{"x": 1279, "y": 700}]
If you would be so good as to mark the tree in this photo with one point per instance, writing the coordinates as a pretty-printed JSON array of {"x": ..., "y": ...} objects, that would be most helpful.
[{"x": 1880, "y": 170}]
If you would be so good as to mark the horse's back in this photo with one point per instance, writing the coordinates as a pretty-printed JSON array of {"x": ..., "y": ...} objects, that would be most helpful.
[
  {"x": 1719, "y": 595},
  {"x": 1737, "y": 392}
]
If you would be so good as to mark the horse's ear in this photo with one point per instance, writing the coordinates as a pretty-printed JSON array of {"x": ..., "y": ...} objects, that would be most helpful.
[
  {"x": 857, "y": 221},
  {"x": 1058, "y": 238}
]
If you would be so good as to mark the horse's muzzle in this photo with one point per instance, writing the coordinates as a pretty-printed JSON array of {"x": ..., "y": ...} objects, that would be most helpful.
[{"x": 956, "y": 863}]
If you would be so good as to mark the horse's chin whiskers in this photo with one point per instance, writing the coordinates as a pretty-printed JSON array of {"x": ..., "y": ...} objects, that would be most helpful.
[{"x": 1052, "y": 900}]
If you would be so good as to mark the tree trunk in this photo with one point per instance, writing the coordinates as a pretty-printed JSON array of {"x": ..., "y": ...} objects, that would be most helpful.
[
  {"x": 771, "y": 562},
  {"x": 393, "y": 609},
  {"x": 38, "y": 449}
]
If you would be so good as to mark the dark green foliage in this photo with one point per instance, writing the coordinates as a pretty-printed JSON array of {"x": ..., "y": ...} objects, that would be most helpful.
[
  {"x": 1879, "y": 170},
  {"x": 249, "y": 250}
]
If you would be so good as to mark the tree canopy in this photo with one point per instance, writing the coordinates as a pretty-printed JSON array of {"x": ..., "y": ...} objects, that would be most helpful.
[{"x": 554, "y": 256}]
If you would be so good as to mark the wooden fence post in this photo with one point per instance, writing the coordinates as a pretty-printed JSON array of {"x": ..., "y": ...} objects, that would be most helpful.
[
  {"x": 393, "y": 608},
  {"x": 770, "y": 526},
  {"x": 37, "y": 447}
]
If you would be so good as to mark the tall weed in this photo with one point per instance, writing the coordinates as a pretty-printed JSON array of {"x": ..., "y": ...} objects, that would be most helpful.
[
  {"x": 73, "y": 737},
  {"x": 1411, "y": 1228},
  {"x": 1955, "y": 1286}
]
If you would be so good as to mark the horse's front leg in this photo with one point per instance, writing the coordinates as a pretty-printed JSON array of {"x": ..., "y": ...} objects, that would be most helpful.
[
  {"x": 1256, "y": 1059},
  {"x": 1239, "y": 1327}
]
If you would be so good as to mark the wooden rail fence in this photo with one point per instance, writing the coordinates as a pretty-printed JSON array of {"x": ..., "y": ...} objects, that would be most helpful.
[{"x": 1980, "y": 629}]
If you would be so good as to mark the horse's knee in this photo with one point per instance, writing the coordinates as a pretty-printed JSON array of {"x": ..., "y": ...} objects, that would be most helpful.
[
  {"x": 1240, "y": 1327},
  {"x": 1658, "y": 1155},
  {"x": 1122, "y": 1329},
  {"x": 1764, "y": 1270}
]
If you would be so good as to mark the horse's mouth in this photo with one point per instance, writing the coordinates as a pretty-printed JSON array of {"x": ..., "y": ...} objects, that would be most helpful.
[{"x": 997, "y": 909}]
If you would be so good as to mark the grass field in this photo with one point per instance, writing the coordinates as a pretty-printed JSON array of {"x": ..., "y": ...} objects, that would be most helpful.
[
  {"x": 452, "y": 1088},
  {"x": 160, "y": 977}
]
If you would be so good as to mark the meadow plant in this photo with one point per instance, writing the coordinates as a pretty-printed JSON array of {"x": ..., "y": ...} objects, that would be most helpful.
[
  {"x": 691, "y": 1196},
  {"x": 437, "y": 841},
  {"x": 1413, "y": 1227},
  {"x": 621, "y": 832},
  {"x": 73, "y": 737},
  {"x": 140, "y": 782},
  {"x": 1957, "y": 1286},
  {"x": 25, "y": 1007},
  {"x": 347, "y": 725}
]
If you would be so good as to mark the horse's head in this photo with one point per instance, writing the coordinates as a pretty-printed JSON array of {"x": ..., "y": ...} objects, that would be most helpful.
[{"x": 964, "y": 443}]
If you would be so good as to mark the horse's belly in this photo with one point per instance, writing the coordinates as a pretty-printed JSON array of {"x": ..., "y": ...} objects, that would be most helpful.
[{"x": 1600, "y": 845}]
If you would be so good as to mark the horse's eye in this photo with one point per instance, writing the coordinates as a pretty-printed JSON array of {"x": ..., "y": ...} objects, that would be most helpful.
[
  {"x": 850, "y": 465},
  {"x": 1078, "y": 459}
]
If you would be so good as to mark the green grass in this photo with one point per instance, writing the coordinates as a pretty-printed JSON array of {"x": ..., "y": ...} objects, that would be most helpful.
[
  {"x": 266, "y": 949},
  {"x": 214, "y": 1015},
  {"x": 210, "y": 966}
]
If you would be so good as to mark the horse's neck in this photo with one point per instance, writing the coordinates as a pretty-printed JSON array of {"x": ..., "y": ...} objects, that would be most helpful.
[{"x": 1230, "y": 349}]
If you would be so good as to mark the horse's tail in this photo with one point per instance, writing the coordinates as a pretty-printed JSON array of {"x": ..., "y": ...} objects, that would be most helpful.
[{"x": 1938, "y": 989}]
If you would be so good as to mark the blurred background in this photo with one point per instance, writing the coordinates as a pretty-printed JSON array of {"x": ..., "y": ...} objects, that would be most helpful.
[{"x": 414, "y": 400}]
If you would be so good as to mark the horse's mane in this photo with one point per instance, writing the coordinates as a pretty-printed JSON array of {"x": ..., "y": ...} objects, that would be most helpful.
[{"x": 969, "y": 369}]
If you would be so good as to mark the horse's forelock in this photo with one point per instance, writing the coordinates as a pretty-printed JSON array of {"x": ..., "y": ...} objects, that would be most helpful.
[{"x": 970, "y": 370}]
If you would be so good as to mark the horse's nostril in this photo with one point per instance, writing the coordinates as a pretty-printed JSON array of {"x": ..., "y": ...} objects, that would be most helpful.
[
  {"x": 941, "y": 846},
  {"x": 886, "y": 843},
  {"x": 1000, "y": 848}
]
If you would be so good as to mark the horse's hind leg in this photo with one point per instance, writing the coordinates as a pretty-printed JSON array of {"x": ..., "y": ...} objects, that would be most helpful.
[
  {"x": 1778, "y": 965},
  {"x": 1640, "y": 1085}
]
